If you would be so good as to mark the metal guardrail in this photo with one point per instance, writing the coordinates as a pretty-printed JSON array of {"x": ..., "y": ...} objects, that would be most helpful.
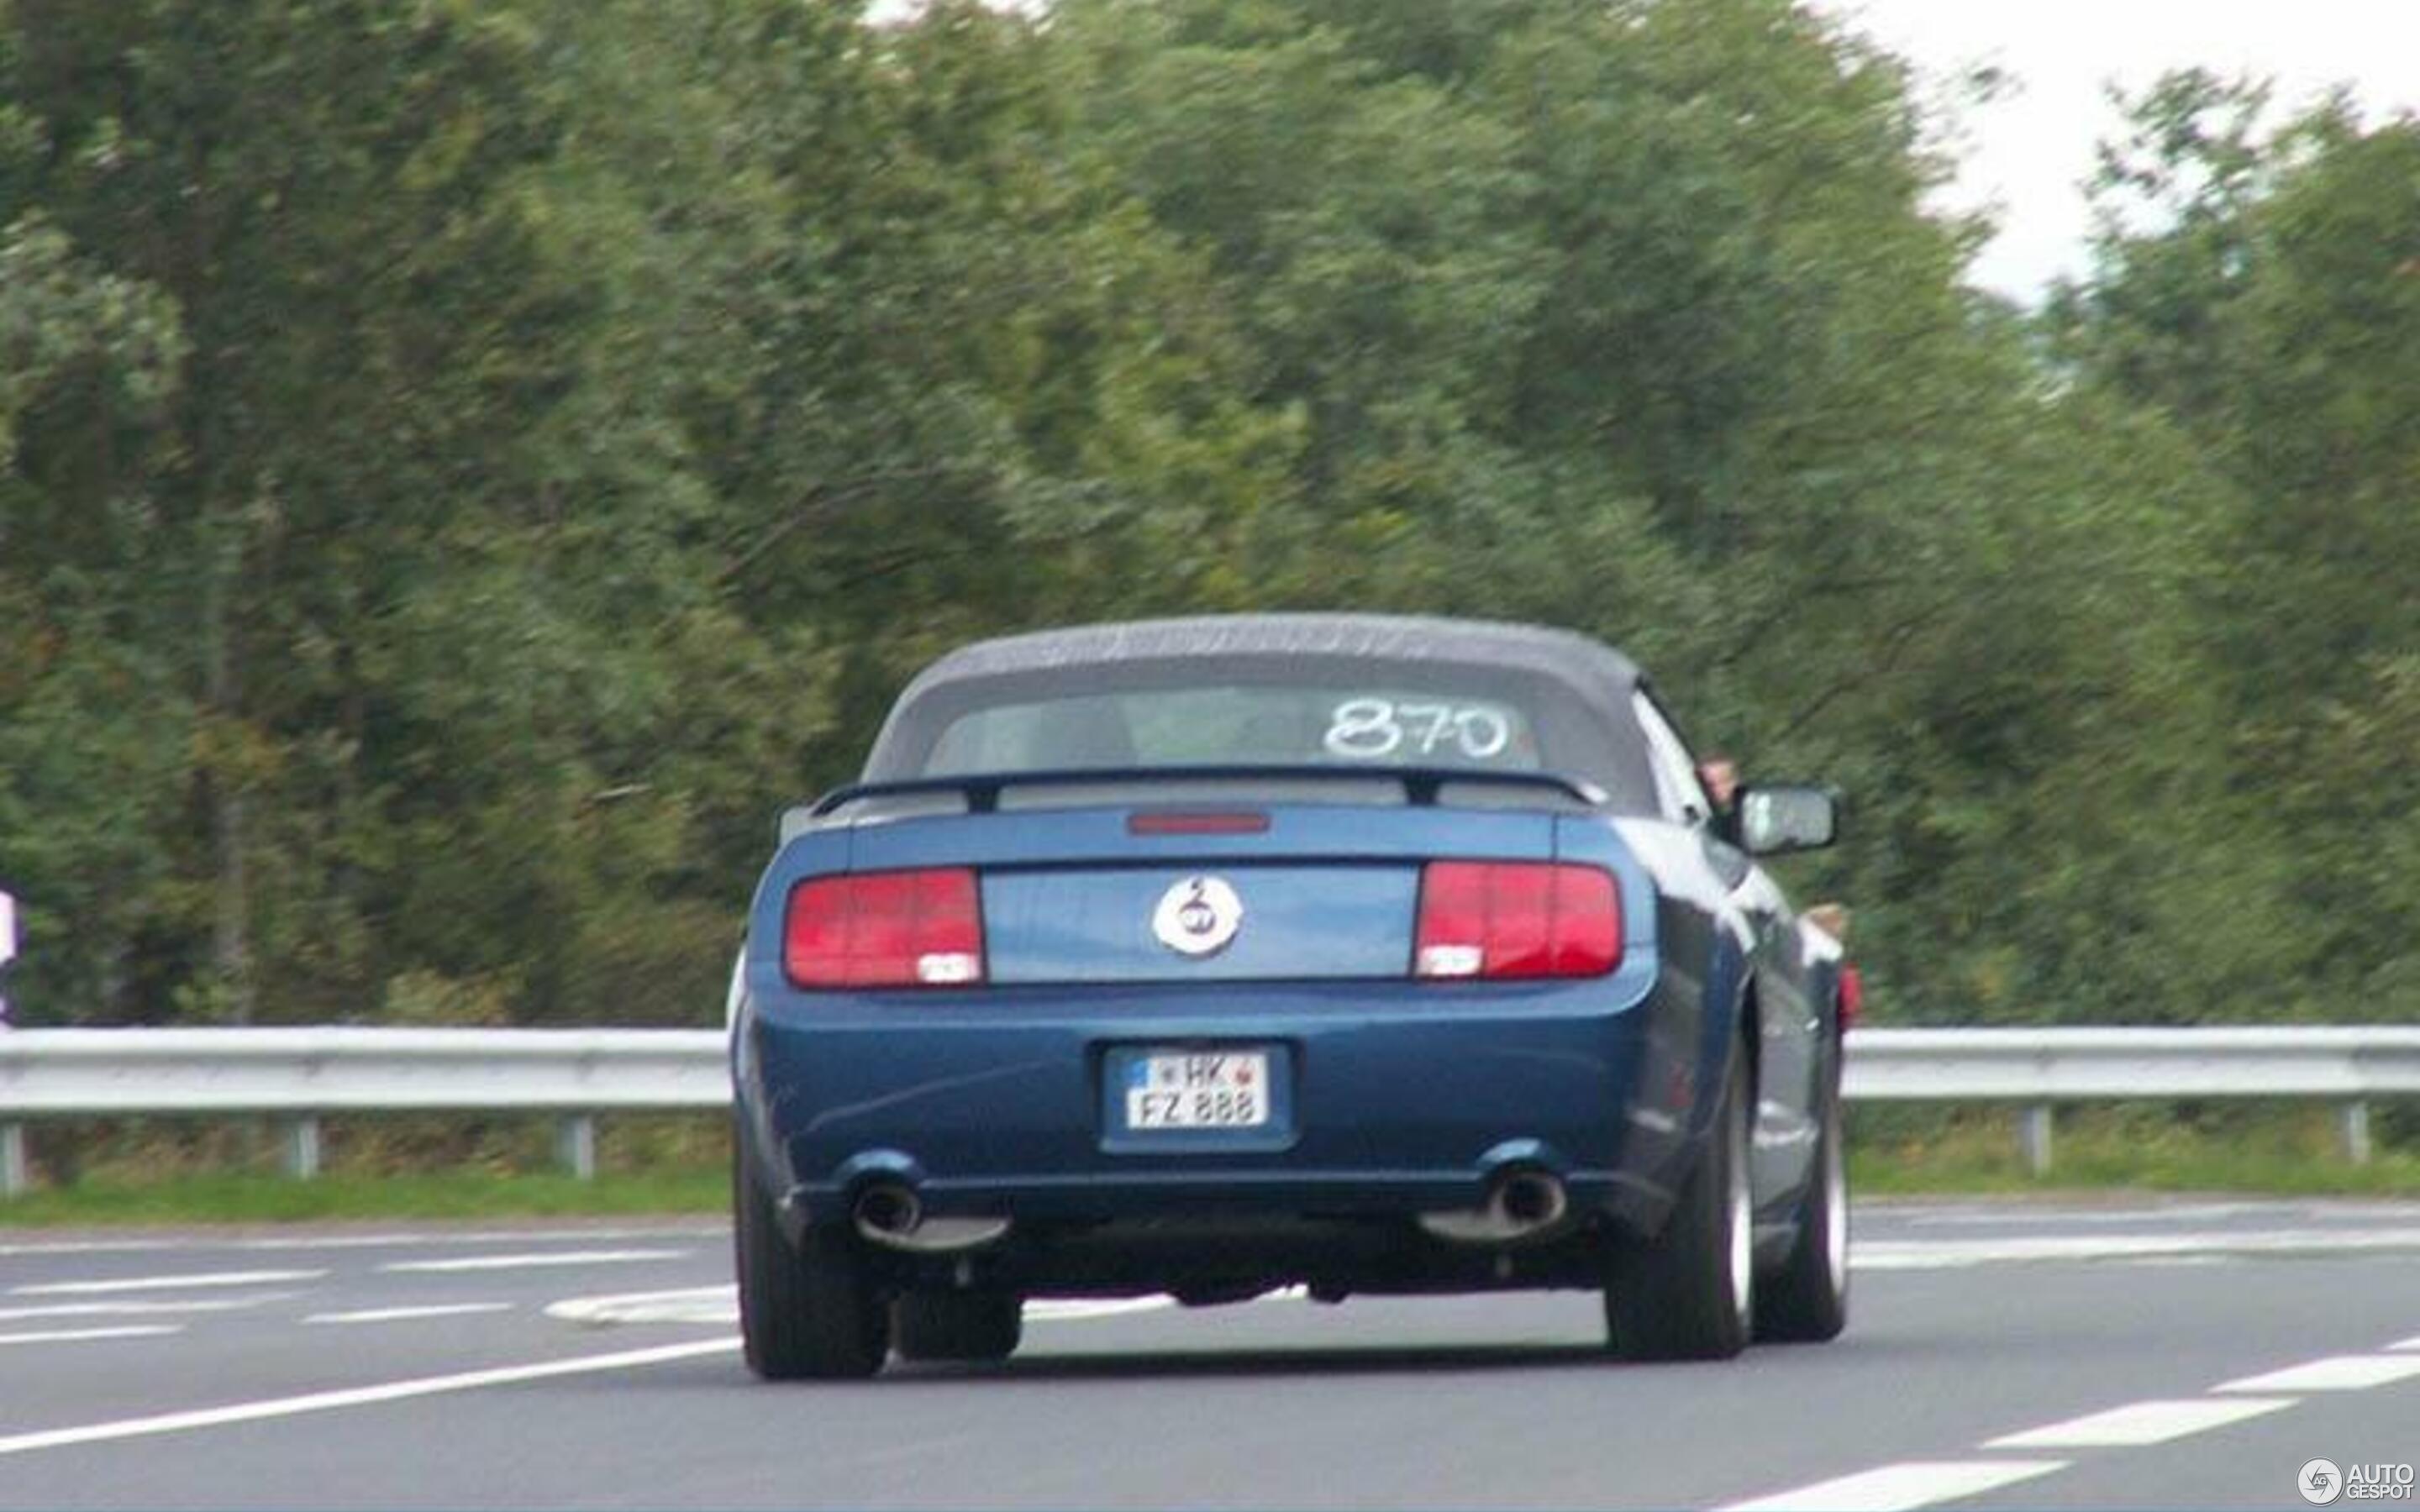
[
  {"x": 300, "y": 1074},
  {"x": 343, "y": 1070},
  {"x": 2081, "y": 1064},
  {"x": 2039, "y": 1068}
]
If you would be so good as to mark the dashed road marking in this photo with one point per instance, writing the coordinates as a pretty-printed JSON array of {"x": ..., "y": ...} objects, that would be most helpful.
[
  {"x": 1920, "y": 1483},
  {"x": 2003, "y": 1216},
  {"x": 396, "y": 1315},
  {"x": 1954, "y": 1254},
  {"x": 1075, "y": 1309},
  {"x": 323, "y": 1401},
  {"x": 534, "y": 1260},
  {"x": 2142, "y": 1423},
  {"x": 715, "y": 1305},
  {"x": 720, "y": 1307},
  {"x": 1897, "y": 1487},
  {"x": 71, "y": 1336},
  {"x": 164, "y": 1283},
  {"x": 392, "y": 1239},
  {"x": 2342, "y": 1372},
  {"x": 139, "y": 1309}
]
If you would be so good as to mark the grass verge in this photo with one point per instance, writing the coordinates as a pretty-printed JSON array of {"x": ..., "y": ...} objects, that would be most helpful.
[
  {"x": 265, "y": 1199},
  {"x": 2158, "y": 1147}
]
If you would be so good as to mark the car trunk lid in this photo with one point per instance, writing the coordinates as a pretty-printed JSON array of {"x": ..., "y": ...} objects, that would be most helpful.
[{"x": 1202, "y": 878}]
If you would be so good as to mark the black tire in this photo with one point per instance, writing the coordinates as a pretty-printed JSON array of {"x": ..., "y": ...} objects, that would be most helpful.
[
  {"x": 1689, "y": 1292},
  {"x": 806, "y": 1312},
  {"x": 1807, "y": 1300},
  {"x": 957, "y": 1325}
]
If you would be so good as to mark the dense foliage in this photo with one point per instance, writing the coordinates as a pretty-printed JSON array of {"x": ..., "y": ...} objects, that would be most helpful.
[{"x": 464, "y": 465}]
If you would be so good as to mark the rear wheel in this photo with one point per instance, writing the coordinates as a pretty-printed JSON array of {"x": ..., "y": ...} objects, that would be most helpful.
[
  {"x": 1689, "y": 1292},
  {"x": 958, "y": 1325},
  {"x": 806, "y": 1312},
  {"x": 1807, "y": 1300}
]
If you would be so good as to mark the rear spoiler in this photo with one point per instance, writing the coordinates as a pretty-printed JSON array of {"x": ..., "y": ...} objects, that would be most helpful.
[{"x": 981, "y": 791}]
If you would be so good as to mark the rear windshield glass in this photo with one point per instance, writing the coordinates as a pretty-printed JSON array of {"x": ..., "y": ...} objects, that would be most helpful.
[{"x": 1345, "y": 723}]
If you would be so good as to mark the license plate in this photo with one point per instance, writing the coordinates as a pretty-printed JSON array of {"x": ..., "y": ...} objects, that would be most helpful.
[{"x": 1198, "y": 1089}]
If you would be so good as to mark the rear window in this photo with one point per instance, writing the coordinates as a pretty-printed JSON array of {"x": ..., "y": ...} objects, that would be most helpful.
[
  {"x": 1389, "y": 723},
  {"x": 1248, "y": 708}
]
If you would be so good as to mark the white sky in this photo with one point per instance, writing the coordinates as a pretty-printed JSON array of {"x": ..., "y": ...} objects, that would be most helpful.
[{"x": 2028, "y": 153}]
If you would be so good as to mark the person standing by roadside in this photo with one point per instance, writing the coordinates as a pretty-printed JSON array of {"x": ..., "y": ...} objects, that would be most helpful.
[{"x": 8, "y": 949}]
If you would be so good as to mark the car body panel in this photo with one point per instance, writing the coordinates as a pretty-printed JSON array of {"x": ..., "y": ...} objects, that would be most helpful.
[{"x": 1309, "y": 922}]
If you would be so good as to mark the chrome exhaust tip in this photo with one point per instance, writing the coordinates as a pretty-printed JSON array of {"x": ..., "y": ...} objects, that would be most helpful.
[
  {"x": 1520, "y": 1204},
  {"x": 887, "y": 1211},
  {"x": 890, "y": 1213},
  {"x": 1525, "y": 1201}
]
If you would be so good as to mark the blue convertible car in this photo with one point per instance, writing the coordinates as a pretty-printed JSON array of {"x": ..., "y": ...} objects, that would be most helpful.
[{"x": 1211, "y": 956}]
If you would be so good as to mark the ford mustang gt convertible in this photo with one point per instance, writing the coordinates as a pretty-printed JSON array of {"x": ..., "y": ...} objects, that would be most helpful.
[{"x": 1347, "y": 953}]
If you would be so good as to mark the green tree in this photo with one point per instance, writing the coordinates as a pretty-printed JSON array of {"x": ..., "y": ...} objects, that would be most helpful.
[
  {"x": 322, "y": 195},
  {"x": 468, "y": 466},
  {"x": 2258, "y": 281}
]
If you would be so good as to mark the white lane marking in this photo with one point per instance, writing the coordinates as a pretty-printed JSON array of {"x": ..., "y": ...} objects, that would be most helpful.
[
  {"x": 2412, "y": 1343},
  {"x": 65, "y": 1335},
  {"x": 163, "y": 1283},
  {"x": 140, "y": 1309},
  {"x": 719, "y": 1306},
  {"x": 391, "y": 1240},
  {"x": 534, "y": 1260},
  {"x": 2025, "y": 1215},
  {"x": 2342, "y": 1372},
  {"x": 2142, "y": 1423},
  {"x": 1950, "y": 1254},
  {"x": 323, "y": 1401},
  {"x": 1896, "y": 1488},
  {"x": 396, "y": 1314},
  {"x": 1075, "y": 1309}
]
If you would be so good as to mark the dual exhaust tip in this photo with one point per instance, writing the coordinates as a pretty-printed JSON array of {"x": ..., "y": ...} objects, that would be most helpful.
[
  {"x": 1520, "y": 1203},
  {"x": 887, "y": 1210},
  {"x": 1527, "y": 1201},
  {"x": 890, "y": 1213}
]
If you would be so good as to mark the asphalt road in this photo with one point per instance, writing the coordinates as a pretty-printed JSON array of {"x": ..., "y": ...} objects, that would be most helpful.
[{"x": 2133, "y": 1354}]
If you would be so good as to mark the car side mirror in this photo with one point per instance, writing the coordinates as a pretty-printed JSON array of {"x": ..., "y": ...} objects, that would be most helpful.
[{"x": 1783, "y": 817}]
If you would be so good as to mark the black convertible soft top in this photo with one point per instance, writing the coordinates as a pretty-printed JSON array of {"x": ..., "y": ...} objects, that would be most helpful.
[{"x": 1583, "y": 684}]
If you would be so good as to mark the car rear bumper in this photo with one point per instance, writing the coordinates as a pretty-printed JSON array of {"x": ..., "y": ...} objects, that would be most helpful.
[
  {"x": 1400, "y": 1098},
  {"x": 1215, "y": 1192}
]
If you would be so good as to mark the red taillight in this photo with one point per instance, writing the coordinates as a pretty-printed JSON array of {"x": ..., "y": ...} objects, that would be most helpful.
[
  {"x": 1516, "y": 919},
  {"x": 1853, "y": 996},
  {"x": 885, "y": 929}
]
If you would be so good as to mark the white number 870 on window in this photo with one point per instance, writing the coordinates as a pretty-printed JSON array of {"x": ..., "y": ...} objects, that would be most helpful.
[{"x": 1373, "y": 729}]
